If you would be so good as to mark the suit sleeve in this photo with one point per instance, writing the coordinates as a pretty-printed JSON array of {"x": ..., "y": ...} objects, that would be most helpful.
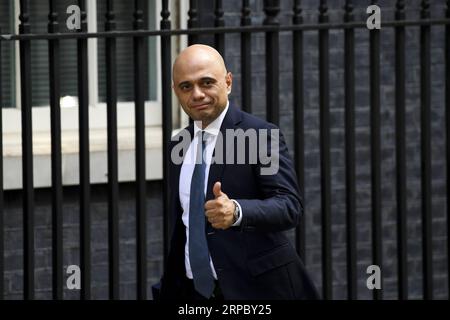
[
  {"x": 280, "y": 206},
  {"x": 170, "y": 284}
]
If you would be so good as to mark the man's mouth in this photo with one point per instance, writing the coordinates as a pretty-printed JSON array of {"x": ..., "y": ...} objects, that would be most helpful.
[{"x": 200, "y": 106}]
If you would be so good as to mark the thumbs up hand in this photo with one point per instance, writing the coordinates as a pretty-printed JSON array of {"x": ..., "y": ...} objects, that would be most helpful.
[{"x": 220, "y": 210}]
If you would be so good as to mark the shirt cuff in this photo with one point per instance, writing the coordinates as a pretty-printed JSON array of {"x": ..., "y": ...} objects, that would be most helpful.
[{"x": 238, "y": 221}]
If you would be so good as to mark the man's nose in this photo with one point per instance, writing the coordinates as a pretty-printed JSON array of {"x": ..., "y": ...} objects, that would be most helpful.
[{"x": 197, "y": 93}]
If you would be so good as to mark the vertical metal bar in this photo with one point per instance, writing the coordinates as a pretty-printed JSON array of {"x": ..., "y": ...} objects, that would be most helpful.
[
  {"x": 166, "y": 71},
  {"x": 27, "y": 155},
  {"x": 219, "y": 38},
  {"x": 55, "y": 119},
  {"x": 425, "y": 101},
  {"x": 400, "y": 151},
  {"x": 447, "y": 124},
  {"x": 271, "y": 9},
  {"x": 325, "y": 171},
  {"x": 83, "y": 123},
  {"x": 192, "y": 21},
  {"x": 113, "y": 185},
  {"x": 139, "y": 99},
  {"x": 299, "y": 147},
  {"x": 246, "y": 56},
  {"x": 2, "y": 248},
  {"x": 349, "y": 62},
  {"x": 374, "y": 49}
]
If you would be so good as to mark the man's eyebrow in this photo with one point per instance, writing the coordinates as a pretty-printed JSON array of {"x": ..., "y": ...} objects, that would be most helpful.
[
  {"x": 208, "y": 79},
  {"x": 211, "y": 79}
]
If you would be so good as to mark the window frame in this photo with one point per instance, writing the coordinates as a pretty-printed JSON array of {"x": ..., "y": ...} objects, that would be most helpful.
[
  {"x": 12, "y": 153},
  {"x": 97, "y": 110}
]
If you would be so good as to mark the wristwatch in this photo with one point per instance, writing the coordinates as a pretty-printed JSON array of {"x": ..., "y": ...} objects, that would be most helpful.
[{"x": 237, "y": 212}]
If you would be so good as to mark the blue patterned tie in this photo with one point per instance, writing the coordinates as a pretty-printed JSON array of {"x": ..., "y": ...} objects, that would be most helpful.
[{"x": 198, "y": 247}]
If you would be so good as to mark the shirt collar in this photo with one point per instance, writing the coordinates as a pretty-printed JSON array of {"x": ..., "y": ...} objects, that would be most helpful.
[{"x": 214, "y": 127}]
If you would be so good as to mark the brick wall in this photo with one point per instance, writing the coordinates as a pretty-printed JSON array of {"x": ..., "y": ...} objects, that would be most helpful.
[
  {"x": 362, "y": 122},
  {"x": 99, "y": 240}
]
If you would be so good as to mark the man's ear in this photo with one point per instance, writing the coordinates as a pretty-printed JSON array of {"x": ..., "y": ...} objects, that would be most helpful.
[{"x": 229, "y": 81}]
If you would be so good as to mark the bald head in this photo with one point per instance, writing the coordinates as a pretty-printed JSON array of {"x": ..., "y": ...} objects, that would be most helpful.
[
  {"x": 201, "y": 82},
  {"x": 195, "y": 56}
]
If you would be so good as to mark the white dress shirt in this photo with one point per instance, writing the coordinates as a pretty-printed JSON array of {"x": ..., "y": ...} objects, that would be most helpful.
[{"x": 187, "y": 169}]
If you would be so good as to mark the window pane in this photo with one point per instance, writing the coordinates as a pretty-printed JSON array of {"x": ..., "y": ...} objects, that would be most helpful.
[
  {"x": 7, "y": 55},
  {"x": 153, "y": 74},
  {"x": 39, "y": 54},
  {"x": 125, "y": 56}
]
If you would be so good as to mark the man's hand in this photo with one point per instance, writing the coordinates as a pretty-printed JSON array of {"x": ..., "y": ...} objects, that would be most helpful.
[{"x": 220, "y": 211}]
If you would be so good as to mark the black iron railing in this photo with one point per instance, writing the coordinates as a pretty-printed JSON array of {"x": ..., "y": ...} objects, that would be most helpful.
[
  {"x": 272, "y": 28},
  {"x": 400, "y": 149}
]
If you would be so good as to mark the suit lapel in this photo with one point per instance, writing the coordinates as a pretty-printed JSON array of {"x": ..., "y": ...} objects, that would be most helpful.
[
  {"x": 216, "y": 169},
  {"x": 175, "y": 179},
  {"x": 215, "y": 174},
  {"x": 232, "y": 118}
]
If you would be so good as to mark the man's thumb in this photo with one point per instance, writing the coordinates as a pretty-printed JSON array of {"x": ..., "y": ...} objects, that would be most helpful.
[{"x": 217, "y": 189}]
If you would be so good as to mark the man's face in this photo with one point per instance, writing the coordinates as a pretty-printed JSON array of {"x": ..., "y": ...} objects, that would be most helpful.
[{"x": 202, "y": 86}]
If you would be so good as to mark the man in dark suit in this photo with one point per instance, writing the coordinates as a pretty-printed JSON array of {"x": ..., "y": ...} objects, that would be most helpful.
[{"x": 228, "y": 240}]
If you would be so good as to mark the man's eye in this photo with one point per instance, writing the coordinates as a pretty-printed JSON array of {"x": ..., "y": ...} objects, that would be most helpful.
[
  {"x": 207, "y": 83},
  {"x": 185, "y": 87}
]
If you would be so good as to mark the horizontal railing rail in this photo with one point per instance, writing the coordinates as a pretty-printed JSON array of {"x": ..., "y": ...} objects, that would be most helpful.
[{"x": 217, "y": 30}]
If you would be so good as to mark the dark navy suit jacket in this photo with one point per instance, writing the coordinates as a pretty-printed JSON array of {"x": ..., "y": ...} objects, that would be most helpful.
[{"x": 256, "y": 259}]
